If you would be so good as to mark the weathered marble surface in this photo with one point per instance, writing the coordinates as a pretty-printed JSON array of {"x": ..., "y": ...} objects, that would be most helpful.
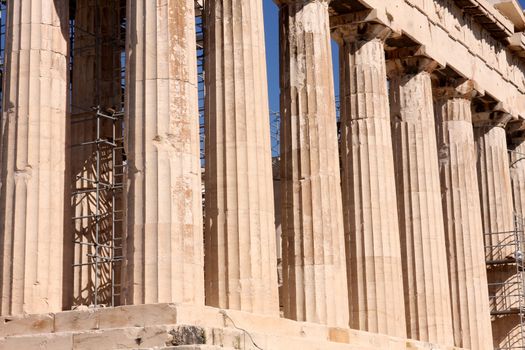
[{"x": 33, "y": 157}]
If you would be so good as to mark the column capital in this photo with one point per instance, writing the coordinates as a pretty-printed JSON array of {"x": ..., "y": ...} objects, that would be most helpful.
[
  {"x": 492, "y": 116},
  {"x": 516, "y": 130},
  {"x": 360, "y": 31},
  {"x": 410, "y": 65},
  {"x": 457, "y": 88}
]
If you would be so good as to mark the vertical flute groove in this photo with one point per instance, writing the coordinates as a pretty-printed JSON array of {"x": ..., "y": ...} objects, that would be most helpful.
[
  {"x": 423, "y": 249},
  {"x": 497, "y": 212},
  {"x": 314, "y": 268},
  {"x": 33, "y": 146},
  {"x": 463, "y": 228},
  {"x": 373, "y": 252},
  {"x": 164, "y": 245},
  {"x": 241, "y": 262}
]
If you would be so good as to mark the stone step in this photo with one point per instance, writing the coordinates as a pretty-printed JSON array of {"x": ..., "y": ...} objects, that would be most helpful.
[
  {"x": 170, "y": 338},
  {"x": 167, "y": 325},
  {"x": 194, "y": 347}
]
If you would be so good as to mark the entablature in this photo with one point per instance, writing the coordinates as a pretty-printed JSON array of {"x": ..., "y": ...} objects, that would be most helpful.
[{"x": 455, "y": 38}]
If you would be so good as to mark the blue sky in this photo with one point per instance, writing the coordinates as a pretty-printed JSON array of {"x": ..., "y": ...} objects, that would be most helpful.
[{"x": 271, "y": 20}]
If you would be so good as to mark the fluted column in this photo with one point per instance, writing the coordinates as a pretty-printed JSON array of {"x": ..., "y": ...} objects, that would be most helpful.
[
  {"x": 517, "y": 168},
  {"x": 314, "y": 266},
  {"x": 33, "y": 147},
  {"x": 494, "y": 180},
  {"x": 241, "y": 263},
  {"x": 517, "y": 176},
  {"x": 164, "y": 261},
  {"x": 462, "y": 217},
  {"x": 373, "y": 252},
  {"x": 497, "y": 212},
  {"x": 423, "y": 250}
]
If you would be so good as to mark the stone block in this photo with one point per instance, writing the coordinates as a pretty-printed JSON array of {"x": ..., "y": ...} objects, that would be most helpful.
[
  {"x": 339, "y": 335},
  {"x": 76, "y": 320},
  {"x": 138, "y": 316},
  {"x": 196, "y": 347},
  {"x": 26, "y": 324},
  {"x": 118, "y": 317},
  {"x": 224, "y": 337},
  {"x": 416, "y": 345},
  {"x": 184, "y": 335},
  {"x": 199, "y": 315},
  {"x": 272, "y": 325},
  {"x": 40, "y": 342},
  {"x": 375, "y": 341},
  {"x": 123, "y": 338}
]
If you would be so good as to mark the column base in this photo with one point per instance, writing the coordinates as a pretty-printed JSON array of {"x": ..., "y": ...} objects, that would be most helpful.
[{"x": 174, "y": 326}]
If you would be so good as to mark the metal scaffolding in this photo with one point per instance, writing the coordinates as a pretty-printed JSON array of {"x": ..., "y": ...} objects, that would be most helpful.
[
  {"x": 199, "y": 29},
  {"x": 3, "y": 24},
  {"x": 505, "y": 262},
  {"x": 97, "y": 140}
]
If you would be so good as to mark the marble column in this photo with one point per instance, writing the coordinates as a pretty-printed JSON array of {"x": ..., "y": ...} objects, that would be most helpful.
[
  {"x": 241, "y": 263},
  {"x": 314, "y": 265},
  {"x": 164, "y": 247},
  {"x": 494, "y": 181},
  {"x": 517, "y": 168},
  {"x": 423, "y": 250},
  {"x": 517, "y": 177},
  {"x": 33, "y": 148},
  {"x": 462, "y": 217},
  {"x": 373, "y": 252},
  {"x": 497, "y": 212}
]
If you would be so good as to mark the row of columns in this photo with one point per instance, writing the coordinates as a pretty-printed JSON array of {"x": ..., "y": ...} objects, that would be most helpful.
[{"x": 394, "y": 245}]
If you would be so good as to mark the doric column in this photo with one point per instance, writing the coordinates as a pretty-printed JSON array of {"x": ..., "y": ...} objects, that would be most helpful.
[
  {"x": 497, "y": 212},
  {"x": 164, "y": 261},
  {"x": 517, "y": 177},
  {"x": 425, "y": 275},
  {"x": 494, "y": 180},
  {"x": 517, "y": 167},
  {"x": 241, "y": 263},
  {"x": 314, "y": 266},
  {"x": 369, "y": 193},
  {"x": 462, "y": 217},
  {"x": 33, "y": 148}
]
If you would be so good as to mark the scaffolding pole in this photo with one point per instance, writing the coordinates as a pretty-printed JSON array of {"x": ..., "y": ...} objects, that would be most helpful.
[
  {"x": 97, "y": 191},
  {"x": 504, "y": 251},
  {"x": 3, "y": 25}
]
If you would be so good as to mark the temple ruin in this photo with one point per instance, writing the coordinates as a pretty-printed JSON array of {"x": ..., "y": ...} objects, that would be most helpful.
[{"x": 150, "y": 199}]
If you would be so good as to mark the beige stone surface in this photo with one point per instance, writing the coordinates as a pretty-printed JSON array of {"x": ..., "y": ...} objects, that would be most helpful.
[
  {"x": 373, "y": 252},
  {"x": 41, "y": 342},
  {"x": 164, "y": 244},
  {"x": 517, "y": 177},
  {"x": 314, "y": 264},
  {"x": 494, "y": 182},
  {"x": 33, "y": 147},
  {"x": 27, "y": 324},
  {"x": 203, "y": 326},
  {"x": 462, "y": 217},
  {"x": 399, "y": 240},
  {"x": 459, "y": 41},
  {"x": 498, "y": 220},
  {"x": 241, "y": 263},
  {"x": 423, "y": 250},
  {"x": 512, "y": 10}
]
